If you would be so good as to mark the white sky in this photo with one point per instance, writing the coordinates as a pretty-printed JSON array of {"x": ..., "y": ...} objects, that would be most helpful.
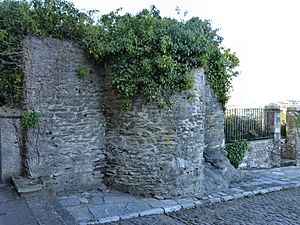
[{"x": 265, "y": 34}]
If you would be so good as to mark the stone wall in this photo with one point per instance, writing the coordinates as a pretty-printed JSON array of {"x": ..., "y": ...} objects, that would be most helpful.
[
  {"x": 156, "y": 152},
  {"x": 10, "y": 156},
  {"x": 266, "y": 153},
  {"x": 84, "y": 138},
  {"x": 259, "y": 154},
  {"x": 67, "y": 146},
  {"x": 218, "y": 172},
  {"x": 288, "y": 150}
]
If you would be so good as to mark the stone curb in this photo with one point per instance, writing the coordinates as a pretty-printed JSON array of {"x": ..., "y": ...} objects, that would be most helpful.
[{"x": 195, "y": 203}]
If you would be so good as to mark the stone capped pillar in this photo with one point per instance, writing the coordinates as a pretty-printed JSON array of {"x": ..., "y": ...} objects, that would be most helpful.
[
  {"x": 272, "y": 116},
  {"x": 292, "y": 133},
  {"x": 156, "y": 152}
]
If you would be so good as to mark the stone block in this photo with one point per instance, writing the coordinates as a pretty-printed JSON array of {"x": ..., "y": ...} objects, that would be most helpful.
[
  {"x": 263, "y": 191},
  {"x": 108, "y": 219},
  {"x": 26, "y": 186},
  {"x": 154, "y": 211},
  {"x": 227, "y": 198},
  {"x": 215, "y": 200},
  {"x": 187, "y": 205},
  {"x": 129, "y": 216},
  {"x": 172, "y": 208},
  {"x": 239, "y": 195}
]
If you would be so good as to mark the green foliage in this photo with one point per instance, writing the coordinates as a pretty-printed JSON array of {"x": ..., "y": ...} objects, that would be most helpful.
[
  {"x": 150, "y": 55},
  {"x": 153, "y": 56},
  {"x": 41, "y": 18},
  {"x": 236, "y": 151},
  {"x": 83, "y": 70},
  {"x": 30, "y": 119}
]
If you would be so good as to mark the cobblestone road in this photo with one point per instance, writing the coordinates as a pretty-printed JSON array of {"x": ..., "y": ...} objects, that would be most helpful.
[{"x": 274, "y": 208}]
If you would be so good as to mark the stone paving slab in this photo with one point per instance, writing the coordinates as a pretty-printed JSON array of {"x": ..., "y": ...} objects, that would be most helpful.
[
  {"x": 103, "y": 207},
  {"x": 14, "y": 210},
  {"x": 25, "y": 185}
]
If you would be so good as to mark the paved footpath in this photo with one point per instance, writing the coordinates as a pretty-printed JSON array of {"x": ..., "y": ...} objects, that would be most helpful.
[
  {"x": 102, "y": 207},
  {"x": 31, "y": 210},
  {"x": 13, "y": 209},
  {"x": 241, "y": 203}
]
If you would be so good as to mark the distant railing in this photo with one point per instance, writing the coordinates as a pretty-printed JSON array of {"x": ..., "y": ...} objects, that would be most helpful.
[{"x": 246, "y": 124}]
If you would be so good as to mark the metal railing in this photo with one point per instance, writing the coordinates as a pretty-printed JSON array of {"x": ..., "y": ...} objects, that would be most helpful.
[{"x": 247, "y": 124}]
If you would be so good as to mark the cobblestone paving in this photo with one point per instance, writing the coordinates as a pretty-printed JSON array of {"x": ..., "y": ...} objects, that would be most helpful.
[{"x": 282, "y": 208}]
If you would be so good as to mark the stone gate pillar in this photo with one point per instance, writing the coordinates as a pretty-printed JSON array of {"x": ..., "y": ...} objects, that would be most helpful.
[
  {"x": 272, "y": 116},
  {"x": 292, "y": 134}
]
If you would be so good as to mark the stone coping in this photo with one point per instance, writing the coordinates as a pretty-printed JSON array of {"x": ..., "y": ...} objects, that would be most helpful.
[
  {"x": 102, "y": 207},
  {"x": 6, "y": 112},
  {"x": 293, "y": 108},
  {"x": 272, "y": 106}
]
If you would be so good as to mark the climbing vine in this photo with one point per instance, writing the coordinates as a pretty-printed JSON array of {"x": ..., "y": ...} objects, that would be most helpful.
[{"x": 150, "y": 55}]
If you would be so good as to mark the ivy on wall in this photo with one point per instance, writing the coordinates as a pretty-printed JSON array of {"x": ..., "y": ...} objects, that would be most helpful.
[{"x": 150, "y": 55}]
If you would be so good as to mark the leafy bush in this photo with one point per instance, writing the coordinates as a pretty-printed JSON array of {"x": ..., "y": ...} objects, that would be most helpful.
[
  {"x": 236, "y": 151},
  {"x": 82, "y": 71},
  {"x": 41, "y": 18},
  {"x": 30, "y": 119},
  {"x": 150, "y": 55},
  {"x": 153, "y": 56}
]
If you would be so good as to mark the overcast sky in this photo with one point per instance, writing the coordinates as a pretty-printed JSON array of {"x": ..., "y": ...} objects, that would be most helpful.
[{"x": 265, "y": 34}]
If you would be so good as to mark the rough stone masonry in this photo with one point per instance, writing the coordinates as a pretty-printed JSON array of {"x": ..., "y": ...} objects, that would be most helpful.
[
  {"x": 84, "y": 138},
  {"x": 68, "y": 145}
]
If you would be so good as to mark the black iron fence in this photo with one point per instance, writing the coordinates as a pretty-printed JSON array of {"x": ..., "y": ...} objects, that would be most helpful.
[{"x": 247, "y": 124}]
